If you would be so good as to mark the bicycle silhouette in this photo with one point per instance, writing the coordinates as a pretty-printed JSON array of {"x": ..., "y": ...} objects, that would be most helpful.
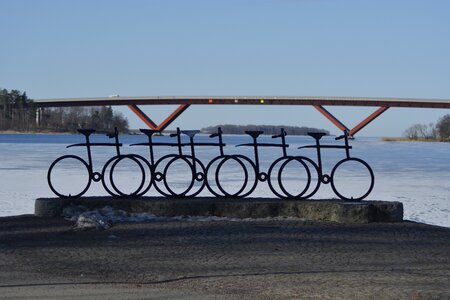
[
  {"x": 258, "y": 176},
  {"x": 366, "y": 171},
  {"x": 196, "y": 171},
  {"x": 185, "y": 175},
  {"x": 194, "y": 180},
  {"x": 213, "y": 172},
  {"x": 58, "y": 170}
]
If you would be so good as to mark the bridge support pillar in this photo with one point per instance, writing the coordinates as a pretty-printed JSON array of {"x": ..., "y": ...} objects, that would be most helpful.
[
  {"x": 149, "y": 122},
  {"x": 358, "y": 127},
  {"x": 330, "y": 117},
  {"x": 367, "y": 120}
]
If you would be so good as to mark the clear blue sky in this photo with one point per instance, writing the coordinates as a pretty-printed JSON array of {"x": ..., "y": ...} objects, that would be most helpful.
[{"x": 84, "y": 48}]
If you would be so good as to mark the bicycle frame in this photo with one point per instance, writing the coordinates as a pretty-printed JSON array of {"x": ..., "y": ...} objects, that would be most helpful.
[
  {"x": 262, "y": 176},
  {"x": 87, "y": 132},
  {"x": 331, "y": 178},
  {"x": 325, "y": 178},
  {"x": 92, "y": 175}
]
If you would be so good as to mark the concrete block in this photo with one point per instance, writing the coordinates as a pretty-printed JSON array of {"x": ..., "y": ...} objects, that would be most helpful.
[{"x": 313, "y": 210}]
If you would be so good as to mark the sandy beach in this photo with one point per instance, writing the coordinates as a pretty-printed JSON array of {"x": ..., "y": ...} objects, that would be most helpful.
[{"x": 43, "y": 258}]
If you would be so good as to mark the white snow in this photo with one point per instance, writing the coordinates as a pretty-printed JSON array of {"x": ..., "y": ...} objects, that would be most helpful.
[{"x": 105, "y": 217}]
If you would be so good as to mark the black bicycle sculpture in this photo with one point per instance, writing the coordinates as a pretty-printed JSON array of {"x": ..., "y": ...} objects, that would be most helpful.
[
  {"x": 160, "y": 169},
  {"x": 58, "y": 168},
  {"x": 364, "y": 168},
  {"x": 306, "y": 174}
]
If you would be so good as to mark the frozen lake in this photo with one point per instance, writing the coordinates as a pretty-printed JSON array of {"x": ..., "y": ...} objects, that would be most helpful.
[{"x": 415, "y": 173}]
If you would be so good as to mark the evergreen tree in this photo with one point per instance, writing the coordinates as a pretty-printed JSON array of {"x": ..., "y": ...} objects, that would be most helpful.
[{"x": 18, "y": 113}]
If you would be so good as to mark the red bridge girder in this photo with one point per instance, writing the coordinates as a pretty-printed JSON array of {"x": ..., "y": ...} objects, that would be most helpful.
[{"x": 185, "y": 102}]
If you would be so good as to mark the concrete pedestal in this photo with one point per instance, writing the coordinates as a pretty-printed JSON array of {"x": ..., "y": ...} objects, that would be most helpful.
[{"x": 313, "y": 210}]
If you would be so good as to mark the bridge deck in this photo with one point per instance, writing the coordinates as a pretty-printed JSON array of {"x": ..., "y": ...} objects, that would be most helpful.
[{"x": 246, "y": 100}]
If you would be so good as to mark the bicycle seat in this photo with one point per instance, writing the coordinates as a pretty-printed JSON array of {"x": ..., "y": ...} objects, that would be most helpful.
[
  {"x": 254, "y": 133},
  {"x": 86, "y": 132},
  {"x": 190, "y": 133},
  {"x": 317, "y": 135},
  {"x": 148, "y": 132}
]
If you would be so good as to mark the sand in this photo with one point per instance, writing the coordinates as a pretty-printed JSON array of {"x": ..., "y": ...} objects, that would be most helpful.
[{"x": 44, "y": 258}]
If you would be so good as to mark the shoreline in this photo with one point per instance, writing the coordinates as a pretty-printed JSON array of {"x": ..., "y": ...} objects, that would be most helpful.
[
  {"x": 404, "y": 139},
  {"x": 131, "y": 132},
  {"x": 33, "y": 132}
]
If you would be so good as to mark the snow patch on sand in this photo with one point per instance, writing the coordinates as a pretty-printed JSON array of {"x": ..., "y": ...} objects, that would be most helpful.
[{"x": 104, "y": 218}]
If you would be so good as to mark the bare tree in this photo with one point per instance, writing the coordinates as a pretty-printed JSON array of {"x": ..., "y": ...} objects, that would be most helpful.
[
  {"x": 421, "y": 131},
  {"x": 443, "y": 128}
]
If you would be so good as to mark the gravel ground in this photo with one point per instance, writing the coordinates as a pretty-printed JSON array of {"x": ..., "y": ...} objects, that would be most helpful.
[{"x": 261, "y": 259}]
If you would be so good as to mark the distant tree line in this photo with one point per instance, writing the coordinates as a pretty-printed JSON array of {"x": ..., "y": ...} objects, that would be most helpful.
[
  {"x": 439, "y": 131},
  {"x": 16, "y": 111},
  {"x": 69, "y": 119},
  {"x": 19, "y": 113},
  {"x": 268, "y": 129}
]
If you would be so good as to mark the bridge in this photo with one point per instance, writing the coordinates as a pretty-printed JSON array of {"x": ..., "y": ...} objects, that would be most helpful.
[{"x": 183, "y": 103}]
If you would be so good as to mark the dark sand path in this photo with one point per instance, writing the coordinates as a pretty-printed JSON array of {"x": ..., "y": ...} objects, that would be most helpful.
[{"x": 271, "y": 259}]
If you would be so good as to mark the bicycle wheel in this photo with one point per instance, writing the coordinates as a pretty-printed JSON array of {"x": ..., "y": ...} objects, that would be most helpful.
[
  {"x": 315, "y": 179},
  {"x": 121, "y": 173},
  {"x": 182, "y": 165},
  {"x": 199, "y": 179},
  {"x": 69, "y": 176},
  {"x": 158, "y": 172},
  {"x": 252, "y": 178},
  {"x": 220, "y": 172},
  {"x": 150, "y": 174},
  {"x": 286, "y": 175},
  {"x": 353, "y": 175}
]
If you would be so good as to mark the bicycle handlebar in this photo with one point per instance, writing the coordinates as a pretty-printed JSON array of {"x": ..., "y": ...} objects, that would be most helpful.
[
  {"x": 345, "y": 135},
  {"x": 113, "y": 134},
  {"x": 279, "y": 135},
  {"x": 218, "y": 133},
  {"x": 282, "y": 133}
]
